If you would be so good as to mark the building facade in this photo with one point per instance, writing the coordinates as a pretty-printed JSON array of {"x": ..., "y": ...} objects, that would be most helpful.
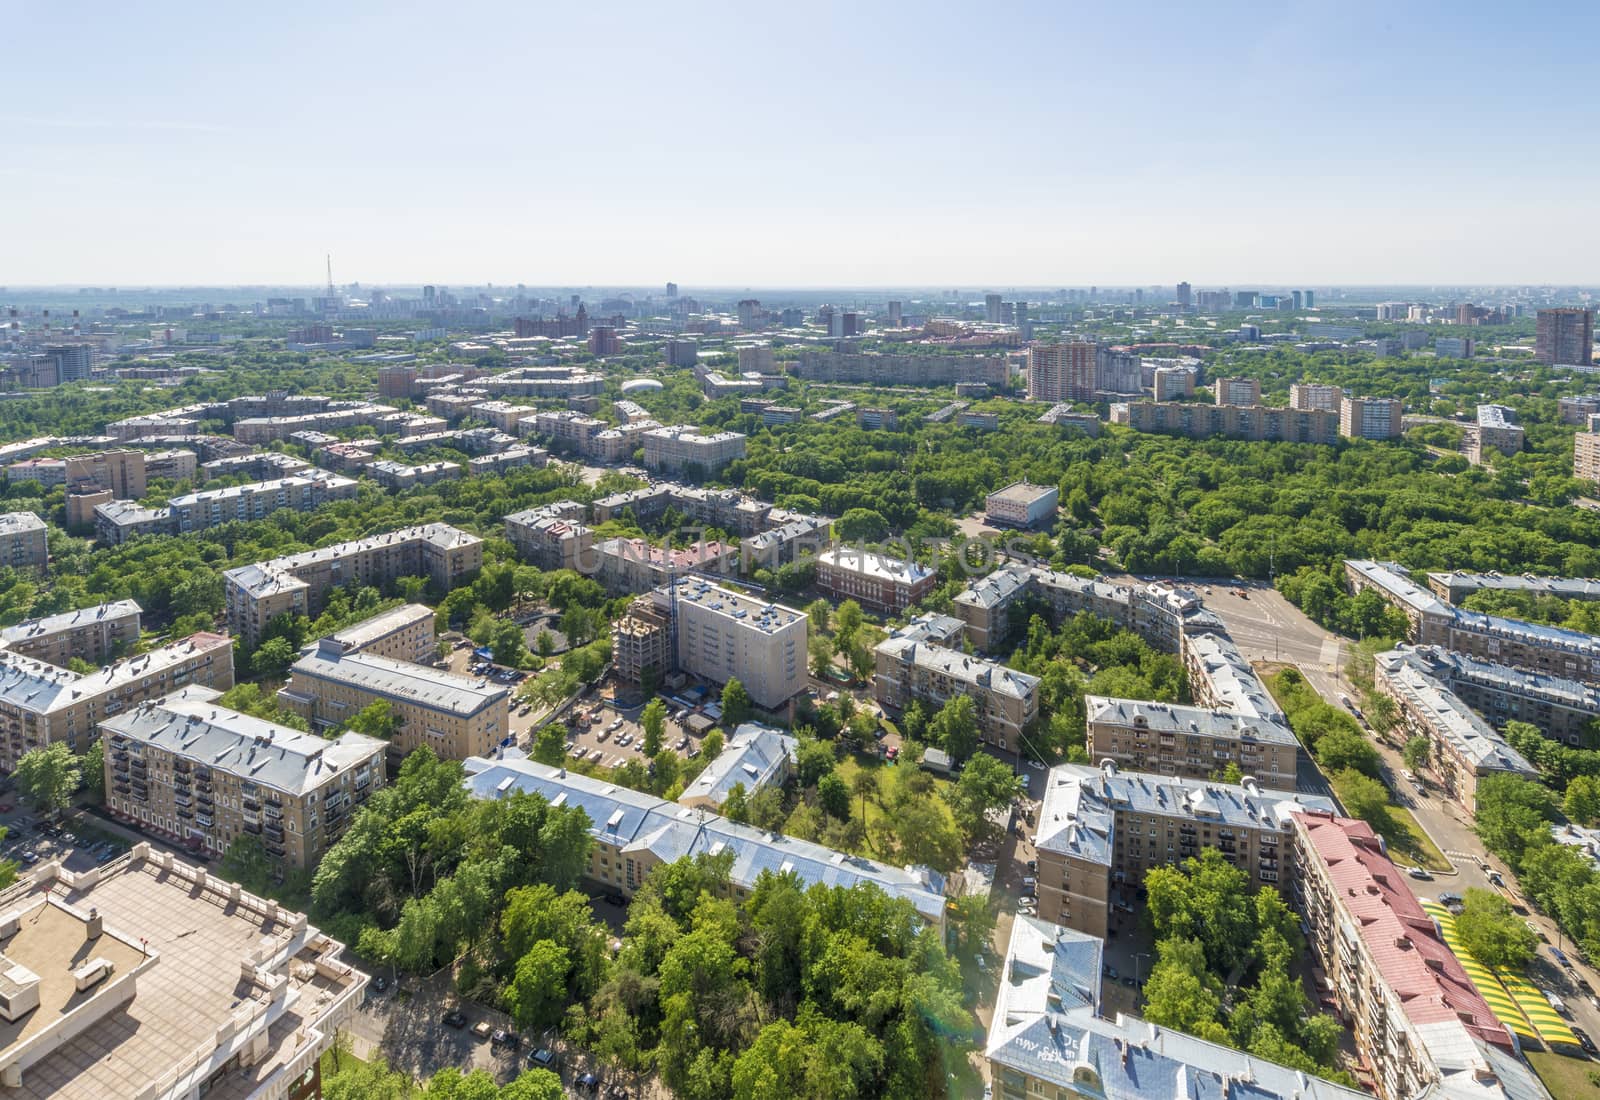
[
  {"x": 724, "y": 635},
  {"x": 1371, "y": 417},
  {"x": 1169, "y": 739},
  {"x": 877, "y": 582},
  {"x": 93, "y": 634},
  {"x": 1022, "y": 505},
  {"x": 1564, "y": 336}
]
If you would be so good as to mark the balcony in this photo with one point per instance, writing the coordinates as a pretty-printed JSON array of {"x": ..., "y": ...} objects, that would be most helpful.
[
  {"x": 253, "y": 827},
  {"x": 251, "y": 805}
]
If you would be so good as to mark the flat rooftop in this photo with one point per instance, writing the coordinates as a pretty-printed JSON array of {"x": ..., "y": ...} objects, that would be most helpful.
[
  {"x": 1022, "y": 492},
  {"x": 381, "y": 625},
  {"x": 12, "y": 523},
  {"x": 874, "y": 565}
]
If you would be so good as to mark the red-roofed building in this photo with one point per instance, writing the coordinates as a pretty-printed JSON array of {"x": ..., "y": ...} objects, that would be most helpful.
[{"x": 1418, "y": 1021}]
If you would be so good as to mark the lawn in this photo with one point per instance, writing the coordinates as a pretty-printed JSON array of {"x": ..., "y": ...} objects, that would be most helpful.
[
  {"x": 1567, "y": 1077},
  {"x": 1407, "y": 840},
  {"x": 888, "y": 776}
]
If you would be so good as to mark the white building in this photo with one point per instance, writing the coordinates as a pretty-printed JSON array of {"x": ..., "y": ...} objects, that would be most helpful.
[{"x": 725, "y": 635}]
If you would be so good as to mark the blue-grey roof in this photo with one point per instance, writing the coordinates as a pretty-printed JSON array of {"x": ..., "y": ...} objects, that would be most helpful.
[
  {"x": 755, "y": 756},
  {"x": 629, "y": 819}
]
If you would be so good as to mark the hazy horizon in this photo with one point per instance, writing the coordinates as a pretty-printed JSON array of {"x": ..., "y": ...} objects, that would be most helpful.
[{"x": 830, "y": 147}]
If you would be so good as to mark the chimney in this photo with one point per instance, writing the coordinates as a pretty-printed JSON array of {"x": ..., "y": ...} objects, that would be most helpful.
[{"x": 95, "y": 924}]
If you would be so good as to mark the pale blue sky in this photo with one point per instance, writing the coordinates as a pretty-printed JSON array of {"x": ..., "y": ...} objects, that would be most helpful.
[{"x": 802, "y": 144}]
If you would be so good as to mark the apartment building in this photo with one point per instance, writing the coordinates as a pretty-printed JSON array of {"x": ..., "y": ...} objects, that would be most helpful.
[
  {"x": 725, "y": 635},
  {"x": 93, "y": 634},
  {"x": 877, "y": 582},
  {"x": 1371, "y": 417},
  {"x": 398, "y": 476},
  {"x": 878, "y": 369},
  {"x": 1172, "y": 383},
  {"x": 150, "y": 977},
  {"x": 1306, "y": 396},
  {"x": 1021, "y": 504},
  {"x": 241, "y": 503},
  {"x": 681, "y": 449},
  {"x": 1561, "y": 708},
  {"x": 1238, "y": 391},
  {"x": 784, "y": 543},
  {"x": 1222, "y": 679},
  {"x": 985, "y": 606},
  {"x": 348, "y": 458},
  {"x": 1194, "y": 742},
  {"x": 1555, "y": 651},
  {"x": 1497, "y": 427},
  {"x": 1102, "y": 828},
  {"x": 512, "y": 458},
  {"x": 267, "y": 429},
  {"x": 181, "y": 767},
  {"x": 878, "y": 419},
  {"x": 1564, "y": 336},
  {"x": 1577, "y": 410},
  {"x": 551, "y": 537},
  {"x": 1463, "y": 748},
  {"x": 298, "y": 584},
  {"x": 502, "y": 414},
  {"x": 635, "y": 565},
  {"x": 22, "y": 541},
  {"x": 641, "y": 644},
  {"x": 566, "y": 429},
  {"x": 1586, "y": 456},
  {"x": 909, "y": 666},
  {"x": 1420, "y": 1026},
  {"x": 1457, "y": 585},
  {"x": 755, "y": 757},
  {"x": 1063, "y": 372},
  {"x": 1048, "y": 1039},
  {"x": 1260, "y": 422},
  {"x": 405, "y": 633},
  {"x": 41, "y": 703},
  {"x": 261, "y": 465},
  {"x": 455, "y": 716},
  {"x": 635, "y": 832}
]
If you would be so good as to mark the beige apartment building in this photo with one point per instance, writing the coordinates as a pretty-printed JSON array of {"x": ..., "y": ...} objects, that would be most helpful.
[
  {"x": 1586, "y": 456},
  {"x": 1257, "y": 422},
  {"x": 1314, "y": 395},
  {"x": 257, "y": 500},
  {"x": 22, "y": 541},
  {"x": 1194, "y": 742},
  {"x": 1237, "y": 391},
  {"x": 93, "y": 634},
  {"x": 183, "y": 768},
  {"x": 404, "y": 633},
  {"x": 298, "y": 584},
  {"x": 725, "y": 635},
  {"x": 455, "y": 716},
  {"x": 1371, "y": 417},
  {"x": 149, "y": 977},
  {"x": 682, "y": 449},
  {"x": 553, "y": 536},
  {"x": 1420, "y": 1026},
  {"x": 911, "y": 666},
  {"x": 41, "y": 703},
  {"x": 123, "y": 472},
  {"x": 1101, "y": 829}
]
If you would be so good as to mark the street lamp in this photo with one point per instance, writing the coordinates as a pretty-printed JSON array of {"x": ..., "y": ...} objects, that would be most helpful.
[{"x": 1138, "y": 967}]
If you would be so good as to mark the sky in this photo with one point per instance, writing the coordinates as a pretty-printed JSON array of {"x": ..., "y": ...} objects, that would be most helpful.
[{"x": 823, "y": 144}]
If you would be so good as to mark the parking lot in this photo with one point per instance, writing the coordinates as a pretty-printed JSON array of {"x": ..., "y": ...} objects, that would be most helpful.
[
  {"x": 612, "y": 737},
  {"x": 77, "y": 841}
]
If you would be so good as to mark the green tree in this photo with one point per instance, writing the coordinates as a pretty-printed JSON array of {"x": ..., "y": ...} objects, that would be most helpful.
[
  {"x": 378, "y": 719},
  {"x": 93, "y": 766},
  {"x": 1343, "y": 748},
  {"x": 985, "y": 784},
  {"x": 544, "y": 644},
  {"x": 712, "y": 743},
  {"x": 1416, "y": 751},
  {"x": 1181, "y": 993},
  {"x": 821, "y": 651},
  {"x": 48, "y": 777},
  {"x": 737, "y": 706},
  {"x": 272, "y": 658},
  {"x": 736, "y": 806},
  {"x": 955, "y": 728},
  {"x": 247, "y": 863},
  {"x": 820, "y": 612},
  {"x": 509, "y": 645},
  {"x": 550, "y": 745},
  {"x": 1494, "y": 934},
  {"x": 846, "y": 621},
  {"x": 833, "y": 795},
  {"x": 536, "y": 994},
  {"x": 1367, "y": 799},
  {"x": 1582, "y": 801},
  {"x": 654, "y": 721}
]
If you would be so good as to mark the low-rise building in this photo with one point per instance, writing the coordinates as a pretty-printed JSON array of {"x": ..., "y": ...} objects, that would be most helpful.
[
  {"x": 41, "y": 704},
  {"x": 1561, "y": 708},
  {"x": 1048, "y": 1039},
  {"x": 755, "y": 757},
  {"x": 1419, "y": 1025},
  {"x": 780, "y": 545},
  {"x": 1221, "y": 678},
  {"x": 635, "y": 565},
  {"x": 1022, "y": 505},
  {"x": 397, "y": 476},
  {"x": 92, "y": 634},
  {"x": 150, "y": 977},
  {"x": 1101, "y": 829},
  {"x": 512, "y": 458},
  {"x": 1455, "y": 586},
  {"x": 257, "y": 500},
  {"x": 298, "y": 584},
  {"x": 455, "y": 716},
  {"x": 182, "y": 767},
  {"x": 909, "y": 667},
  {"x": 724, "y": 635},
  {"x": 1463, "y": 748},
  {"x": 635, "y": 832},
  {"x": 1197, "y": 742},
  {"x": 875, "y": 581}
]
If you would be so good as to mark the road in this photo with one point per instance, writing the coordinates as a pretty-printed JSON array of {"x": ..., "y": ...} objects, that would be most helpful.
[{"x": 1266, "y": 627}]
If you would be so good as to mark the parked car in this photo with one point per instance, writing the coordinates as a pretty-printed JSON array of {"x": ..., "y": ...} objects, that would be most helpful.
[
  {"x": 1555, "y": 1002},
  {"x": 1030, "y": 900},
  {"x": 482, "y": 1030},
  {"x": 1418, "y": 872},
  {"x": 1534, "y": 928},
  {"x": 30, "y": 857},
  {"x": 1584, "y": 1041},
  {"x": 542, "y": 1059},
  {"x": 1497, "y": 878},
  {"x": 454, "y": 1019},
  {"x": 1451, "y": 902},
  {"x": 503, "y": 1037},
  {"x": 380, "y": 983}
]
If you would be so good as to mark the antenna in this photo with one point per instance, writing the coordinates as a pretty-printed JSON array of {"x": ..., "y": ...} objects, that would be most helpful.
[{"x": 330, "y": 274}]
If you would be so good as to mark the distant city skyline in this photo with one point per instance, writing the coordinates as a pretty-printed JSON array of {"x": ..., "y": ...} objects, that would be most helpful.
[{"x": 742, "y": 146}]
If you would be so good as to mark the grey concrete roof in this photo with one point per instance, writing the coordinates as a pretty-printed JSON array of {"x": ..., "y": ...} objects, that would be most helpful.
[{"x": 411, "y": 683}]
